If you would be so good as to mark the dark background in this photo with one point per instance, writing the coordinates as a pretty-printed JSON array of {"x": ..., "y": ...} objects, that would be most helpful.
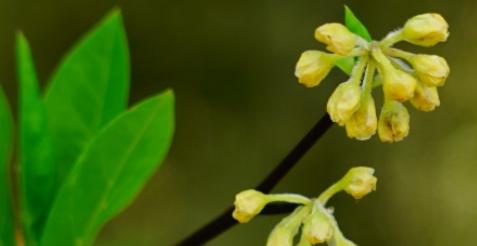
[{"x": 240, "y": 110}]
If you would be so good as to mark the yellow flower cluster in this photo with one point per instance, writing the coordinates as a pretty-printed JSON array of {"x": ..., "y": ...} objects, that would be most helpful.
[
  {"x": 317, "y": 223},
  {"x": 404, "y": 76}
]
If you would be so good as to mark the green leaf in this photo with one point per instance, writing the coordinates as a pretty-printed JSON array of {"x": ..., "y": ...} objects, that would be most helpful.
[
  {"x": 37, "y": 171},
  {"x": 6, "y": 215},
  {"x": 355, "y": 25},
  {"x": 111, "y": 171},
  {"x": 89, "y": 88}
]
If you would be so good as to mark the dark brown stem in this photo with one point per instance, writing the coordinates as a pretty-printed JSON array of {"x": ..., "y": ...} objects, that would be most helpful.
[{"x": 224, "y": 221}]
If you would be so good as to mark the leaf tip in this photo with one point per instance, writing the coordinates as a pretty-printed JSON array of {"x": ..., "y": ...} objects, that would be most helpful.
[
  {"x": 20, "y": 37},
  {"x": 115, "y": 14},
  {"x": 169, "y": 93},
  {"x": 347, "y": 9}
]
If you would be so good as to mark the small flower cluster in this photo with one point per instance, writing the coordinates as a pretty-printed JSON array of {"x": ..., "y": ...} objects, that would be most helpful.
[
  {"x": 404, "y": 76},
  {"x": 316, "y": 222}
]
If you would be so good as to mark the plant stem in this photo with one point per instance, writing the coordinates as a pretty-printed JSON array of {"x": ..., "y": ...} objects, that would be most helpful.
[{"x": 224, "y": 221}]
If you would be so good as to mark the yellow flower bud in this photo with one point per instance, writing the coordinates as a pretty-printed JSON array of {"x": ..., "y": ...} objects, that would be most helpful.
[
  {"x": 317, "y": 228},
  {"x": 360, "y": 181},
  {"x": 313, "y": 66},
  {"x": 364, "y": 122},
  {"x": 285, "y": 231},
  {"x": 337, "y": 38},
  {"x": 344, "y": 101},
  {"x": 426, "y": 29},
  {"x": 426, "y": 98},
  {"x": 248, "y": 204},
  {"x": 397, "y": 84},
  {"x": 430, "y": 69},
  {"x": 393, "y": 123}
]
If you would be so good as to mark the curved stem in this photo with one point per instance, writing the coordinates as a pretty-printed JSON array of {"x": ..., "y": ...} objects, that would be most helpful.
[
  {"x": 224, "y": 221},
  {"x": 330, "y": 192}
]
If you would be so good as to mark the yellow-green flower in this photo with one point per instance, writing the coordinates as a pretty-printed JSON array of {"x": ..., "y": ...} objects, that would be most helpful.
[
  {"x": 364, "y": 122},
  {"x": 313, "y": 66},
  {"x": 337, "y": 37},
  {"x": 311, "y": 218},
  {"x": 344, "y": 101},
  {"x": 285, "y": 231},
  {"x": 426, "y": 98},
  {"x": 426, "y": 29},
  {"x": 248, "y": 204},
  {"x": 404, "y": 76},
  {"x": 317, "y": 228},
  {"x": 393, "y": 124},
  {"x": 359, "y": 182},
  {"x": 430, "y": 69}
]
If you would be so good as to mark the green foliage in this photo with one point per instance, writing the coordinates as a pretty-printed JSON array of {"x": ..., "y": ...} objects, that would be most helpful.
[
  {"x": 110, "y": 172},
  {"x": 37, "y": 171},
  {"x": 6, "y": 215},
  {"x": 82, "y": 157},
  {"x": 89, "y": 88},
  {"x": 356, "y": 26}
]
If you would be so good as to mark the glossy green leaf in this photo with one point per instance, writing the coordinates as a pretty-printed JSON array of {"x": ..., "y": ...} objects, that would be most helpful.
[
  {"x": 89, "y": 88},
  {"x": 6, "y": 215},
  {"x": 37, "y": 171},
  {"x": 355, "y": 25},
  {"x": 111, "y": 171}
]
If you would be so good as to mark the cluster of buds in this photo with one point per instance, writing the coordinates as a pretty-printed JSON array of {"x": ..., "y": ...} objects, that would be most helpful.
[
  {"x": 404, "y": 76},
  {"x": 316, "y": 223}
]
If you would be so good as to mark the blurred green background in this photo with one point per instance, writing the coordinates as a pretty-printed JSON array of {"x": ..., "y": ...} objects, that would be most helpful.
[{"x": 240, "y": 110}]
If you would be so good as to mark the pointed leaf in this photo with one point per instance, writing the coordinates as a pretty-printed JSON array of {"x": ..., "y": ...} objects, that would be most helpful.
[
  {"x": 110, "y": 172},
  {"x": 37, "y": 171},
  {"x": 6, "y": 215},
  {"x": 89, "y": 88},
  {"x": 355, "y": 25}
]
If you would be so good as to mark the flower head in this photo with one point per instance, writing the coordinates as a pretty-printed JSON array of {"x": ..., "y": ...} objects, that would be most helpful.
[
  {"x": 337, "y": 37},
  {"x": 404, "y": 76},
  {"x": 426, "y": 29},
  {"x": 311, "y": 217}
]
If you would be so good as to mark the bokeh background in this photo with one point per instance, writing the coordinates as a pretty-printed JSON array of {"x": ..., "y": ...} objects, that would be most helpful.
[{"x": 240, "y": 110}]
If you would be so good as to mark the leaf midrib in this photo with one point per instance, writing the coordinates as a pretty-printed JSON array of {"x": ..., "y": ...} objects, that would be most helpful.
[{"x": 97, "y": 210}]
